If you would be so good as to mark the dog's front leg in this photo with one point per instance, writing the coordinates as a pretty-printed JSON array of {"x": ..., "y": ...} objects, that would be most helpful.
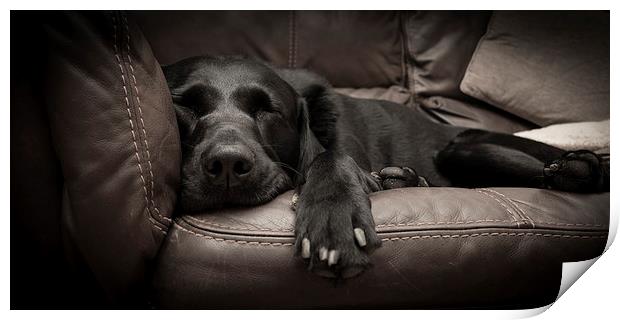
[{"x": 334, "y": 227}]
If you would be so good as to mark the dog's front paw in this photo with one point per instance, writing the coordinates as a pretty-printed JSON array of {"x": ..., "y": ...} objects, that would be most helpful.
[
  {"x": 577, "y": 171},
  {"x": 400, "y": 177},
  {"x": 335, "y": 236}
]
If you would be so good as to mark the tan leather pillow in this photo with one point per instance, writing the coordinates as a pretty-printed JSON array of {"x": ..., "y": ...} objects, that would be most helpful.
[{"x": 546, "y": 67}]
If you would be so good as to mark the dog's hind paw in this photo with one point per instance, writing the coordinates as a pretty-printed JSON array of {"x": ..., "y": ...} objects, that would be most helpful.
[
  {"x": 577, "y": 171},
  {"x": 400, "y": 177}
]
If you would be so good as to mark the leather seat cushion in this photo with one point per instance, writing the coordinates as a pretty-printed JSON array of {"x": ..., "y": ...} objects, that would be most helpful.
[{"x": 442, "y": 247}]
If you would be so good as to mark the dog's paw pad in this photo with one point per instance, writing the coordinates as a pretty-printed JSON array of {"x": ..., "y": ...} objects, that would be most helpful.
[
  {"x": 294, "y": 201},
  {"x": 401, "y": 177}
]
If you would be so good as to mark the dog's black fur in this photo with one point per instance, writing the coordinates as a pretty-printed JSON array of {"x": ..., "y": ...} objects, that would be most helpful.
[{"x": 250, "y": 132}]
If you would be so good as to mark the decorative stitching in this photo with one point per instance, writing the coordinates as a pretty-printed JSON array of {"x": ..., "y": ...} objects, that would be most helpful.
[
  {"x": 522, "y": 213},
  {"x": 404, "y": 48},
  {"x": 146, "y": 143},
  {"x": 292, "y": 43},
  {"x": 494, "y": 234},
  {"x": 501, "y": 204},
  {"x": 246, "y": 229},
  {"x": 574, "y": 224},
  {"x": 439, "y": 222},
  {"x": 284, "y": 244},
  {"x": 413, "y": 77},
  {"x": 209, "y": 223},
  {"x": 155, "y": 224},
  {"x": 399, "y": 224},
  {"x": 294, "y": 40},
  {"x": 290, "y": 39},
  {"x": 131, "y": 125},
  {"x": 440, "y": 236},
  {"x": 543, "y": 222}
]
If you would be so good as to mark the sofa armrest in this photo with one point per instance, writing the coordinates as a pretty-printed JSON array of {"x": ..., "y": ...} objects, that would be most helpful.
[
  {"x": 442, "y": 248},
  {"x": 115, "y": 132}
]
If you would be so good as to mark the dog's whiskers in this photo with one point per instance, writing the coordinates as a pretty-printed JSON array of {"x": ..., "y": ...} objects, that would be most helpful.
[{"x": 284, "y": 165}]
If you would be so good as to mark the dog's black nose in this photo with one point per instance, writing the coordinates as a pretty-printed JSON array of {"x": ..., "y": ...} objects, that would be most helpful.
[{"x": 229, "y": 166}]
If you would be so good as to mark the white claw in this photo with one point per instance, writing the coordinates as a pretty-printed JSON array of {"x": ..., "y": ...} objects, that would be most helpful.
[
  {"x": 323, "y": 254},
  {"x": 305, "y": 248},
  {"x": 294, "y": 201},
  {"x": 360, "y": 236},
  {"x": 333, "y": 257},
  {"x": 422, "y": 182}
]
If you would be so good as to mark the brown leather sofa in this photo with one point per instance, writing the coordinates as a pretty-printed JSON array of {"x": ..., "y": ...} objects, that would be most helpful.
[{"x": 95, "y": 168}]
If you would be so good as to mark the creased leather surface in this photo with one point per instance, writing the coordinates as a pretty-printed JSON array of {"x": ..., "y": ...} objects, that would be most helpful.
[
  {"x": 440, "y": 45},
  {"x": 473, "y": 114},
  {"x": 442, "y": 247},
  {"x": 349, "y": 48},
  {"x": 115, "y": 133},
  {"x": 394, "y": 94}
]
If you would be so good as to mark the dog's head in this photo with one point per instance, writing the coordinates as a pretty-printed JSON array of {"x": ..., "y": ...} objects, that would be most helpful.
[{"x": 245, "y": 131}]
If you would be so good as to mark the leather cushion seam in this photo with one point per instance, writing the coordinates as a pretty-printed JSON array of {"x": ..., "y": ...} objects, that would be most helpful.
[
  {"x": 518, "y": 209},
  {"x": 131, "y": 125},
  {"x": 146, "y": 143},
  {"x": 433, "y": 236},
  {"x": 217, "y": 225},
  {"x": 503, "y": 205}
]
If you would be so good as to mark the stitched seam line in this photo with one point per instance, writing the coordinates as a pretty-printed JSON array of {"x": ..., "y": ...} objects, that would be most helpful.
[
  {"x": 292, "y": 43},
  {"x": 259, "y": 243},
  {"x": 519, "y": 211},
  {"x": 440, "y": 222},
  {"x": 502, "y": 204},
  {"x": 404, "y": 48},
  {"x": 574, "y": 224},
  {"x": 435, "y": 236},
  {"x": 146, "y": 143},
  {"x": 495, "y": 234},
  {"x": 290, "y": 39},
  {"x": 412, "y": 59},
  {"x": 294, "y": 40},
  {"x": 214, "y": 224},
  {"x": 155, "y": 224},
  {"x": 131, "y": 125},
  {"x": 398, "y": 224}
]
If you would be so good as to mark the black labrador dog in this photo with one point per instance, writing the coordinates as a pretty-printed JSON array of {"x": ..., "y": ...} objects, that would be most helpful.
[{"x": 250, "y": 132}]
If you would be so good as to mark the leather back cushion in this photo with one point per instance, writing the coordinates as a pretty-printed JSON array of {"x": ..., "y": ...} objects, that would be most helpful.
[
  {"x": 115, "y": 133},
  {"x": 546, "y": 67},
  {"x": 350, "y": 49},
  {"x": 440, "y": 45}
]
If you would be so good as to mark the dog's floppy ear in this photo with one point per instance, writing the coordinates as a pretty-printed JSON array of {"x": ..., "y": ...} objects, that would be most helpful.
[
  {"x": 173, "y": 74},
  {"x": 309, "y": 145},
  {"x": 317, "y": 115},
  {"x": 186, "y": 118},
  {"x": 321, "y": 103}
]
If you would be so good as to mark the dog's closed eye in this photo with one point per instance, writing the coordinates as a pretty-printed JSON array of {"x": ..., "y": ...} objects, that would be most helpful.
[
  {"x": 256, "y": 102},
  {"x": 199, "y": 98}
]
